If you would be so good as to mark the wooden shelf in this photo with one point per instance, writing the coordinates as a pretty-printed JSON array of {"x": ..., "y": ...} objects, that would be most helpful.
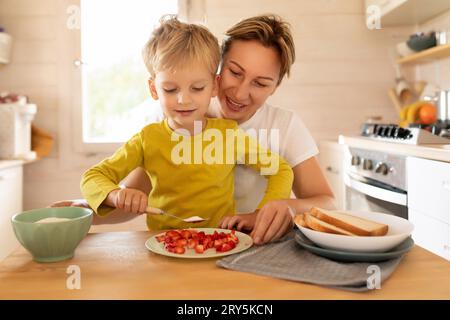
[{"x": 431, "y": 54}]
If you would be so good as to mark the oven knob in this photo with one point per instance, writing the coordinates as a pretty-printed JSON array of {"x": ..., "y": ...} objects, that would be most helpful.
[
  {"x": 356, "y": 160},
  {"x": 381, "y": 168},
  {"x": 367, "y": 164}
]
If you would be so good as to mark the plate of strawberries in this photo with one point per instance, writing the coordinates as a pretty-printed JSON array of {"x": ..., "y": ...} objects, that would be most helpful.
[{"x": 199, "y": 243}]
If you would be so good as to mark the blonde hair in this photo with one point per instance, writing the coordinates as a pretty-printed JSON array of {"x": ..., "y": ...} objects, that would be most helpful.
[
  {"x": 271, "y": 31},
  {"x": 175, "y": 43}
]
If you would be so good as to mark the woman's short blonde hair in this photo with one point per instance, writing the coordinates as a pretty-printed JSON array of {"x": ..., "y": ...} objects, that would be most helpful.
[
  {"x": 271, "y": 31},
  {"x": 174, "y": 44}
]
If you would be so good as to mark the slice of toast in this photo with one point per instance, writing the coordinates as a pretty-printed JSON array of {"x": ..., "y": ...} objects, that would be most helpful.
[
  {"x": 319, "y": 225},
  {"x": 356, "y": 225},
  {"x": 300, "y": 220}
]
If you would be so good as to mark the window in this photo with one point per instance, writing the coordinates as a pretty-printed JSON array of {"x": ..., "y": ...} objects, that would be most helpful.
[{"x": 115, "y": 98}]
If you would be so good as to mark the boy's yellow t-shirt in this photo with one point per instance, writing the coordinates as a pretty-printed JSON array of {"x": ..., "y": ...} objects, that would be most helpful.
[{"x": 186, "y": 189}]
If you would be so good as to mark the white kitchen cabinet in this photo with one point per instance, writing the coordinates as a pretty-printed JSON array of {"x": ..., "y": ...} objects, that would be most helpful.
[
  {"x": 10, "y": 203},
  {"x": 407, "y": 12},
  {"x": 429, "y": 204},
  {"x": 331, "y": 159}
]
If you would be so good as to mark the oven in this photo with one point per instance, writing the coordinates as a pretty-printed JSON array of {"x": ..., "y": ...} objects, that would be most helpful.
[{"x": 375, "y": 181}]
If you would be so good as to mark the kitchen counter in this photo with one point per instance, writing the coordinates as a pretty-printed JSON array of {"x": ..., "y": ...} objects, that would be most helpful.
[
  {"x": 116, "y": 265},
  {"x": 440, "y": 152},
  {"x": 5, "y": 164}
]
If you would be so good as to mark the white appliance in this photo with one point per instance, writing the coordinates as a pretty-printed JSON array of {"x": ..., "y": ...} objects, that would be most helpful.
[
  {"x": 376, "y": 181},
  {"x": 411, "y": 135},
  {"x": 429, "y": 204},
  {"x": 413, "y": 188},
  {"x": 15, "y": 130}
]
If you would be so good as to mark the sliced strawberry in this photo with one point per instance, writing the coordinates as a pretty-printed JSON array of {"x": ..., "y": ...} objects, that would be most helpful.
[
  {"x": 181, "y": 242},
  {"x": 201, "y": 235},
  {"x": 168, "y": 239},
  {"x": 192, "y": 243},
  {"x": 173, "y": 234},
  {"x": 160, "y": 238},
  {"x": 225, "y": 247},
  {"x": 185, "y": 234},
  {"x": 169, "y": 248},
  {"x": 217, "y": 243},
  {"x": 199, "y": 248},
  {"x": 206, "y": 241},
  {"x": 234, "y": 238},
  {"x": 179, "y": 250},
  {"x": 231, "y": 244}
]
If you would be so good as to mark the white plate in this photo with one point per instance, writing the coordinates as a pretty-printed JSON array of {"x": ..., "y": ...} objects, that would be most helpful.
[
  {"x": 245, "y": 242},
  {"x": 399, "y": 230}
]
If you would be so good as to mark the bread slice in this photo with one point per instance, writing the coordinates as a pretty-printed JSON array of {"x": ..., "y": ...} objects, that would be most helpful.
[
  {"x": 323, "y": 226},
  {"x": 300, "y": 220},
  {"x": 356, "y": 225}
]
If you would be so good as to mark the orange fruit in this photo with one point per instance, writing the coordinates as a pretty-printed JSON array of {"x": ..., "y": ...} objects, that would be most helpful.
[{"x": 427, "y": 114}]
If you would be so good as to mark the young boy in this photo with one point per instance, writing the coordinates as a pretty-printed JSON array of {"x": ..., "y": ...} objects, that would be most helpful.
[{"x": 189, "y": 158}]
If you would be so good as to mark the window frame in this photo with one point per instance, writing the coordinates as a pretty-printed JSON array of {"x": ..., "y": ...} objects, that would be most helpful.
[{"x": 185, "y": 10}]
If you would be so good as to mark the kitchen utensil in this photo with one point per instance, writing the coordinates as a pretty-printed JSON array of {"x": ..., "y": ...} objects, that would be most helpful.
[
  {"x": 245, "y": 242},
  {"x": 346, "y": 256},
  {"x": 403, "y": 91},
  {"x": 395, "y": 101},
  {"x": 193, "y": 219},
  {"x": 402, "y": 88},
  {"x": 55, "y": 241},
  {"x": 441, "y": 37},
  {"x": 443, "y": 104},
  {"x": 422, "y": 41},
  {"x": 399, "y": 230}
]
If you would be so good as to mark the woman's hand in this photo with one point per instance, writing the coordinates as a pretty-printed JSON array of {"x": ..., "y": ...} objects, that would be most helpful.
[
  {"x": 273, "y": 221},
  {"x": 129, "y": 200},
  {"x": 244, "y": 221}
]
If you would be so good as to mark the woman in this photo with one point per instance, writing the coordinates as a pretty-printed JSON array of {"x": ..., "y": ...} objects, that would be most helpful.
[{"x": 256, "y": 55}]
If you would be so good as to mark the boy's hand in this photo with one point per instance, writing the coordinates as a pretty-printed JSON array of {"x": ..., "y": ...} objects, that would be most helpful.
[
  {"x": 129, "y": 200},
  {"x": 239, "y": 221}
]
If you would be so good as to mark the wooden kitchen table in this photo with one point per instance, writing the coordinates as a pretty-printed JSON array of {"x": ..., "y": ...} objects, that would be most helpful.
[{"x": 116, "y": 265}]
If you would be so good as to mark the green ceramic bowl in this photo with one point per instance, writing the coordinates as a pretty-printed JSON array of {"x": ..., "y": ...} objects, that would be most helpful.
[{"x": 55, "y": 241}]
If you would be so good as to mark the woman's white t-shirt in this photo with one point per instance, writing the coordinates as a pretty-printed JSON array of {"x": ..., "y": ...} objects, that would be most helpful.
[{"x": 279, "y": 129}]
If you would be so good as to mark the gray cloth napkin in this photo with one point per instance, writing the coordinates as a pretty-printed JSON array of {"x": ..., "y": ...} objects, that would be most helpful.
[{"x": 287, "y": 260}]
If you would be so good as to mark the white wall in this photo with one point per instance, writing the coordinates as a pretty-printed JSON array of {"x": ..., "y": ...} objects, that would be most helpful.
[
  {"x": 342, "y": 70},
  {"x": 340, "y": 78}
]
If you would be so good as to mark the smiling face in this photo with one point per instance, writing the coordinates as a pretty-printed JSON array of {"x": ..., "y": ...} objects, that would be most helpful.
[
  {"x": 249, "y": 75},
  {"x": 184, "y": 94}
]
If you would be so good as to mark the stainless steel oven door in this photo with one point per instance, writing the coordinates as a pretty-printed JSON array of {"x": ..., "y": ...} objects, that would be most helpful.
[{"x": 368, "y": 195}]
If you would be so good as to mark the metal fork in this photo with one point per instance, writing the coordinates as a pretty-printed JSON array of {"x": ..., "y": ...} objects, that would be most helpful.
[{"x": 152, "y": 210}]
